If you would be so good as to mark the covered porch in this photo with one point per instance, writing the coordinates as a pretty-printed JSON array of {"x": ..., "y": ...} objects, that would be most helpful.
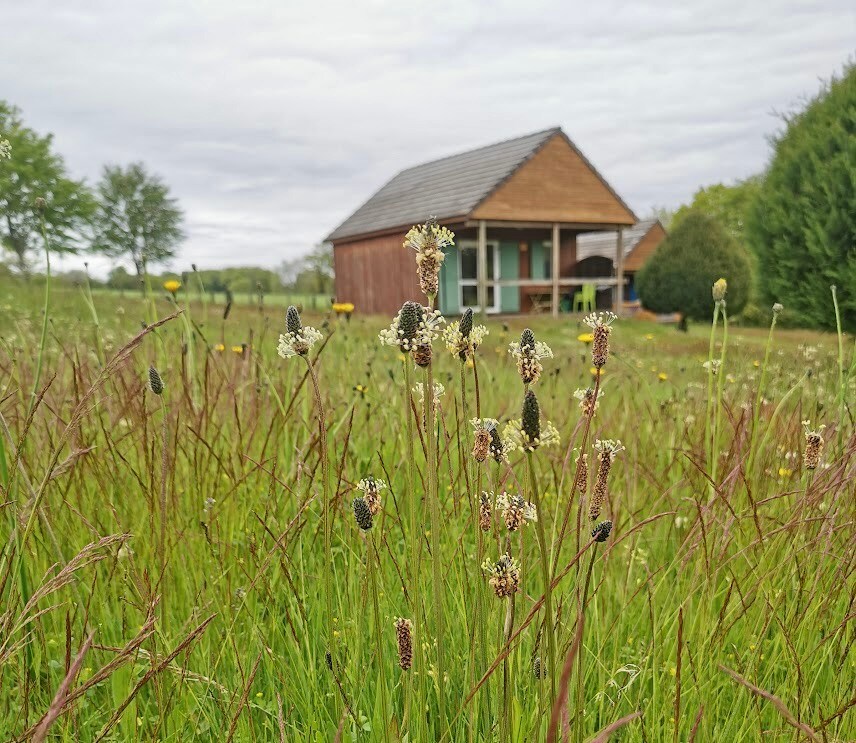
[{"x": 525, "y": 267}]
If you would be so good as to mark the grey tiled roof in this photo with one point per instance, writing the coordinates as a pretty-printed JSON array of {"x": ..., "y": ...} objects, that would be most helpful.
[
  {"x": 604, "y": 243},
  {"x": 450, "y": 187}
]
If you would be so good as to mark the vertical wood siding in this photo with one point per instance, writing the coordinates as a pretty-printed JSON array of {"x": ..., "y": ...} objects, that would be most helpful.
[{"x": 377, "y": 274}]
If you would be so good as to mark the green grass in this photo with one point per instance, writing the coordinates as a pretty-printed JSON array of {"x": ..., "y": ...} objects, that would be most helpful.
[
  {"x": 309, "y": 302},
  {"x": 752, "y": 573}
]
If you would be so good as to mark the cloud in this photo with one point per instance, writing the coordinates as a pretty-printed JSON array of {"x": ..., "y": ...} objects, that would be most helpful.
[{"x": 272, "y": 121}]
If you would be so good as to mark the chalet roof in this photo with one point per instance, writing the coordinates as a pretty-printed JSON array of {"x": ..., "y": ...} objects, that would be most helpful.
[
  {"x": 449, "y": 187},
  {"x": 604, "y": 243}
]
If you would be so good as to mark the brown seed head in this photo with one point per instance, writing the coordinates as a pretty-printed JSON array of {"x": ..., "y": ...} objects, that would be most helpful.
[{"x": 404, "y": 635}]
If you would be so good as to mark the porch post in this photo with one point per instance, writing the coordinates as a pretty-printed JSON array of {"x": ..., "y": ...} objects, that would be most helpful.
[
  {"x": 481, "y": 270},
  {"x": 619, "y": 273},
  {"x": 554, "y": 269}
]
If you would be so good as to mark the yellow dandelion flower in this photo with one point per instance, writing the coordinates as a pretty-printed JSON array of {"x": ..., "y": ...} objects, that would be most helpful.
[
  {"x": 172, "y": 286},
  {"x": 649, "y": 336},
  {"x": 585, "y": 338},
  {"x": 343, "y": 308},
  {"x": 237, "y": 349},
  {"x": 220, "y": 347},
  {"x": 756, "y": 363},
  {"x": 662, "y": 376},
  {"x": 785, "y": 472},
  {"x": 596, "y": 372}
]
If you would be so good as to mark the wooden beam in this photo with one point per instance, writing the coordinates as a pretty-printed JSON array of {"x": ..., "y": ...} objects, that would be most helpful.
[
  {"x": 578, "y": 226},
  {"x": 570, "y": 281},
  {"x": 619, "y": 273},
  {"x": 554, "y": 269},
  {"x": 481, "y": 267}
]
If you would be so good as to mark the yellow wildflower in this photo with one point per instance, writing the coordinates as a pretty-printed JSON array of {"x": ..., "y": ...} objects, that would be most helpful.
[{"x": 172, "y": 286}]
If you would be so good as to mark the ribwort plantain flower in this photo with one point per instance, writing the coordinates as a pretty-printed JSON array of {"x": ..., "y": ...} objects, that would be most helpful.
[
  {"x": 588, "y": 402},
  {"x": 155, "y": 381},
  {"x": 297, "y": 339},
  {"x": 720, "y": 287},
  {"x": 485, "y": 431},
  {"x": 601, "y": 326},
  {"x": 371, "y": 488},
  {"x": 428, "y": 240},
  {"x": 537, "y": 668},
  {"x": 528, "y": 434},
  {"x": 515, "y": 511},
  {"x": 607, "y": 450},
  {"x": 485, "y": 511},
  {"x": 601, "y": 532},
  {"x": 404, "y": 635},
  {"x": 504, "y": 575},
  {"x": 712, "y": 366},
  {"x": 413, "y": 326},
  {"x": 422, "y": 355},
  {"x": 582, "y": 480},
  {"x": 813, "y": 446},
  {"x": 362, "y": 514},
  {"x": 528, "y": 352},
  {"x": 463, "y": 338}
]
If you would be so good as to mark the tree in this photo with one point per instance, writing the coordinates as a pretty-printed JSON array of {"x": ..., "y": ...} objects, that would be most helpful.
[
  {"x": 728, "y": 205},
  {"x": 679, "y": 276},
  {"x": 803, "y": 225},
  {"x": 136, "y": 217},
  {"x": 311, "y": 273},
  {"x": 33, "y": 172}
]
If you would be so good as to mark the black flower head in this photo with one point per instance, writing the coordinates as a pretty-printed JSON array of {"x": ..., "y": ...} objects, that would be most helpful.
[
  {"x": 155, "y": 381},
  {"x": 466, "y": 325},
  {"x": 600, "y": 533},
  {"x": 409, "y": 319},
  {"x": 530, "y": 420},
  {"x": 527, "y": 342},
  {"x": 362, "y": 514},
  {"x": 292, "y": 320}
]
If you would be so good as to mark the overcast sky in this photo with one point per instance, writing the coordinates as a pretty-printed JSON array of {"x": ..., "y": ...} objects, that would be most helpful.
[{"x": 272, "y": 121}]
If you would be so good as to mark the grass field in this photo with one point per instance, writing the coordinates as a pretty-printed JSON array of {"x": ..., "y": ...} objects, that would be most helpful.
[{"x": 165, "y": 572}]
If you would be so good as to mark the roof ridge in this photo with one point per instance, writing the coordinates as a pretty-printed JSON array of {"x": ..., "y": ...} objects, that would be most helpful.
[{"x": 551, "y": 130}]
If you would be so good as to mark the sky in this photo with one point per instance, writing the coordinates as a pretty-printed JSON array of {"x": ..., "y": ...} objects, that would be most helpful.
[{"x": 271, "y": 121}]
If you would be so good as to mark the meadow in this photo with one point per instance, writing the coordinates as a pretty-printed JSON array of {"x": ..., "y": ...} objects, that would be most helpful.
[{"x": 192, "y": 565}]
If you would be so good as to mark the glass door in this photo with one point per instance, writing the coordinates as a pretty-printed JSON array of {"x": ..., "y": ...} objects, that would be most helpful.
[{"x": 468, "y": 285}]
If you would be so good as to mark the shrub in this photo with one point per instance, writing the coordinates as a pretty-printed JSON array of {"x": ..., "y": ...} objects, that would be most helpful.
[
  {"x": 680, "y": 274},
  {"x": 803, "y": 224}
]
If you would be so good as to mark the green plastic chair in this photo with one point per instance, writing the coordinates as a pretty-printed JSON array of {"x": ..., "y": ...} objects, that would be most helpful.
[{"x": 585, "y": 298}]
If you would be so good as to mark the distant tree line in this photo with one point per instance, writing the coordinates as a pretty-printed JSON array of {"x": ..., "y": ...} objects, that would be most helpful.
[{"x": 129, "y": 215}]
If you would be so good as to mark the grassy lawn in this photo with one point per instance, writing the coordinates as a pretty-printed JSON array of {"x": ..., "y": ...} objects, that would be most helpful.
[{"x": 720, "y": 608}]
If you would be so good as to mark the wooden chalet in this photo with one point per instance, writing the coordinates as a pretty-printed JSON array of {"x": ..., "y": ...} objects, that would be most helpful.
[{"x": 517, "y": 209}]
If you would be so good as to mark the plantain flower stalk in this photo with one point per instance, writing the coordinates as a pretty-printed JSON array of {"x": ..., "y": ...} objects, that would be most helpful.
[
  {"x": 462, "y": 338},
  {"x": 607, "y": 450},
  {"x": 528, "y": 353},
  {"x": 370, "y": 488},
  {"x": 813, "y": 446},
  {"x": 515, "y": 511},
  {"x": 428, "y": 240},
  {"x": 601, "y": 326}
]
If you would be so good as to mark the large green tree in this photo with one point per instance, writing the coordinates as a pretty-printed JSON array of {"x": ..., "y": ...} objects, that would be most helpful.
[
  {"x": 803, "y": 224},
  {"x": 728, "y": 205},
  {"x": 34, "y": 184},
  {"x": 680, "y": 274},
  {"x": 136, "y": 217}
]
